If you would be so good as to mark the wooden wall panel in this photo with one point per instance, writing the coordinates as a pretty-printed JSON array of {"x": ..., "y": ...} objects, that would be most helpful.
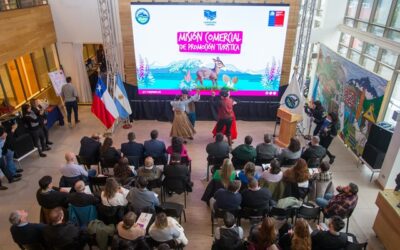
[
  {"x": 25, "y": 30},
  {"x": 127, "y": 36}
]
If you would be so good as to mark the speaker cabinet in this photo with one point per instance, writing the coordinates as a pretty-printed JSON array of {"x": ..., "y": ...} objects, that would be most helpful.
[{"x": 373, "y": 156}]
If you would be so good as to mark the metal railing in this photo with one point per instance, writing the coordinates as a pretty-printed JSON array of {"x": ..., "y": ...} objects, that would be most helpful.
[{"x": 6, "y": 5}]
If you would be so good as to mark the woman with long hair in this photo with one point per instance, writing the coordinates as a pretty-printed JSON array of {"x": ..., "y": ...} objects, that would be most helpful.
[
  {"x": 273, "y": 173},
  {"x": 181, "y": 126},
  {"x": 114, "y": 194},
  {"x": 297, "y": 174},
  {"x": 167, "y": 228},
  {"x": 226, "y": 174},
  {"x": 263, "y": 236},
  {"x": 123, "y": 171},
  {"x": 110, "y": 155},
  {"x": 177, "y": 147},
  {"x": 292, "y": 152},
  {"x": 249, "y": 171},
  {"x": 329, "y": 130},
  {"x": 298, "y": 238}
]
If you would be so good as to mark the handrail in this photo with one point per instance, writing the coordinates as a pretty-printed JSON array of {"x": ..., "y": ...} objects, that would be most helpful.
[{"x": 6, "y": 5}]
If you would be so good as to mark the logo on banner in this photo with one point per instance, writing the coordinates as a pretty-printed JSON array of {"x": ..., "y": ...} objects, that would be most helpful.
[
  {"x": 142, "y": 16},
  {"x": 209, "y": 17},
  {"x": 276, "y": 18},
  {"x": 292, "y": 101}
]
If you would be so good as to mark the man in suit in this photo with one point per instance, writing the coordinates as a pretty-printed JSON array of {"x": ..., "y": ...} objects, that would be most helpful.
[
  {"x": 219, "y": 148},
  {"x": 155, "y": 148},
  {"x": 132, "y": 148},
  {"x": 90, "y": 148},
  {"x": 314, "y": 150},
  {"x": 256, "y": 197},
  {"x": 23, "y": 232},
  {"x": 177, "y": 170}
]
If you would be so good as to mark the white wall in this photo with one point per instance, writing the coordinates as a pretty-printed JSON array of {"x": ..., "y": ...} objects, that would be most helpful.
[{"x": 76, "y": 21}]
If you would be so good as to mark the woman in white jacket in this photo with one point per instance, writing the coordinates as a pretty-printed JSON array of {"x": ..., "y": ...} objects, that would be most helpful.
[{"x": 167, "y": 228}]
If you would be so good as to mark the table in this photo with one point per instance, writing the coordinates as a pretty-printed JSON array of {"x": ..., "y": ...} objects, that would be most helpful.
[
  {"x": 386, "y": 225},
  {"x": 54, "y": 114}
]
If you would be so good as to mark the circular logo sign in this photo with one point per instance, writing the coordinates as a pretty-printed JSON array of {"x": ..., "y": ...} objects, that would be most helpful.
[
  {"x": 142, "y": 16},
  {"x": 292, "y": 101}
]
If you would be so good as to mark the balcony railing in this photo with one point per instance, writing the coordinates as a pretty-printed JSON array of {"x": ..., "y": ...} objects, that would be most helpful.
[{"x": 20, "y": 4}]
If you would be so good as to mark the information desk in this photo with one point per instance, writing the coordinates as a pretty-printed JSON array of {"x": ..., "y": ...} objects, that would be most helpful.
[{"x": 387, "y": 222}]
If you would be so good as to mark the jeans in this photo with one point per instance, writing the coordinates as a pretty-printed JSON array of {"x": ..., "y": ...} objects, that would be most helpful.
[
  {"x": 38, "y": 138},
  {"x": 192, "y": 117},
  {"x": 72, "y": 106},
  {"x": 10, "y": 162},
  {"x": 323, "y": 202}
]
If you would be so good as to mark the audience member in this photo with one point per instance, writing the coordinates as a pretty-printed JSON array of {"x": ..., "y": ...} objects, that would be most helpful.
[
  {"x": 90, "y": 149},
  {"x": 70, "y": 98},
  {"x": 81, "y": 199},
  {"x": 149, "y": 170},
  {"x": 132, "y": 148},
  {"x": 332, "y": 238},
  {"x": 50, "y": 197},
  {"x": 71, "y": 169},
  {"x": 228, "y": 199},
  {"x": 245, "y": 152},
  {"x": 177, "y": 147},
  {"x": 128, "y": 229},
  {"x": 267, "y": 150},
  {"x": 323, "y": 173},
  {"x": 263, "y": 236},
  {"x": 155, "y": 148},
  {"x": 175, "y": 170},
  {"x": 167, "y": 228},
  {"x": 123, "y": 172},
  {"x": 141, "y": 198},
  {"x": 292, "y": 152},
  {"x": 109, "y": 154},
  {"x": 219, "y": 148},
  {"x": 256, "y": 197},
  {"x": 42, "y": 114},
  {"x": 7, "y": 145},
  {"x": 314, "y": 150},
  {"x": 298, "y": 174},
  {"x": 226, "y": 174},
  {"x": 114, "y": 194},
  {"x": 249, "y": 171},
  {"x": 297, "y": 238},
  {"x": 340, "y": 204},
  {"x": 23, "y": 232},
  {"x": 228, "y": 236},
  {"x": 273, "y": 174},
  {"x": 32, "y": 122},
  {"x": 61, "y": 235}
]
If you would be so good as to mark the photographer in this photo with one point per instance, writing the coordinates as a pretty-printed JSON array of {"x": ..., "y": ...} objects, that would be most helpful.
[
  {"x": 42, "y": 114},
  {"x": 317, "y": 112}
]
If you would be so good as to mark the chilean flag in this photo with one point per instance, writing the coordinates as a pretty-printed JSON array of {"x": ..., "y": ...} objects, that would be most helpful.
[{"x": 103, "y": 105}]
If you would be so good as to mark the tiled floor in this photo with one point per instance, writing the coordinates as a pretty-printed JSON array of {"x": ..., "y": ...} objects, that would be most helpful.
[{"x": 21, "y": 195}]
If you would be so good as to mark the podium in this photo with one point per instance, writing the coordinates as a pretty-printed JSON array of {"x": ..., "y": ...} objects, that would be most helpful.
[{"x": 287, "y": 128}]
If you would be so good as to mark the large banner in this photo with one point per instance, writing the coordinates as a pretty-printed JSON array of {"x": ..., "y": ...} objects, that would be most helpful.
[
  {"x": 200, "y": 46},
  {"x": 352, "y": 91}
]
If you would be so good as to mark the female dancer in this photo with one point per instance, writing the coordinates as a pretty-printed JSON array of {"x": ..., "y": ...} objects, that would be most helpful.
[
  {"x": 329, "y": 130},
  {"x": 226, "y": 116}
]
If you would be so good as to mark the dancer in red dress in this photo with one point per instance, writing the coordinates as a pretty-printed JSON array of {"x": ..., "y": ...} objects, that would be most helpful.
[{"x": 226, "y": 117}]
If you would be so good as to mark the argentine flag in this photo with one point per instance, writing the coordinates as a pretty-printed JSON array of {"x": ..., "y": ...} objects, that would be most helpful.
[{"x": 121, "y": 99}]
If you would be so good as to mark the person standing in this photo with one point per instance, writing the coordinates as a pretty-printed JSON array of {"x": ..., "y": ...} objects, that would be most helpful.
[
  {"x": 317, "y": 111},
  {"x": 70, "y": 97},
  {"x": 329, "y": 130},
  {"x": 225, "y": 113},
  {"x": 42, "y": 114},
  {"x": 190, "y": 108},
  {"x": 32, "y": 122}
]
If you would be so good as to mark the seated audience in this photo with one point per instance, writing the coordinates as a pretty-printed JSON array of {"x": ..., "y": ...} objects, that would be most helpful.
[
  {"x": 109, "y": 153},
  {"x": 123, "y": 172},
  {"x": 314, "y": 150},
  {"x": 149, "y": 170},
  {"x": 340, "y": 204},
  {"x": 249, "y": 171},
  {"x": 132, "y": 148},
  {"x": 256, "y": 197},
  {"x": 7, "y": 146},
  {"x": 292, "y": 152},
  {"x": 50, "y": 197},
  {"x": 177, "y": 170},
  {"x": 155, "y": 148},
  {"x": 22, "y": 231},
  {"x": 228, "y": 199},
  {"x": 167, "y": 228},
  {"x": 177, "y": 147},
  {"x": 81, "y": 199},
  {"x": 267, "y": 150},
  {"x": 332, "y": 238},
  {"x": 90, "y": 148},
  {"x": 273, "y": 174},
  {"x": 297, "y": 238},
  {"x": 226, "y": 174},
  {"x": 229, "y": 236},
  {"x": 114, "y": 194},
  {"x": 140, "y": 197},
  {"x": 61, "y": 235},
  {"x": 219, "y": 148},
  {"x": 128, "y": 229},
  {"x": 298, "y": 174},
  {"x": 323, "y": 173},
  {"x": 71, "y": 169},
  {"x": 263, "y": 236},
  {"x": 245, "y": 152}
]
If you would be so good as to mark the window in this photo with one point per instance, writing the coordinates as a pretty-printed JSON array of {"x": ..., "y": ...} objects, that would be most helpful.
[
  {"x": 366, "y": 8},
  {"x": 376, "y": 30},
  {"x": 51, "y": 60},
  {"x": 352, "y": 8},
  {"x": 342, "y": 50},
  {"x": 371, "y": 50},
  {"x": 389, "y": 57},
  {"x": 39, "y": 62},
  {"x": 5, "y": 81},
  {"x": 382, "y": 11},
  {"x": 368, "y": 64},
  {"x": 345, "y": 39},
  {"x": 15, "y": 83},
  {"x": 357, "y": 44},
  {"x": 394, "y": 104},
  {"x": 385, "y": 72},
  {"x": 394, "y": 35},
  {"x": 27, "y": 75},
  {"x": 396, "y": 16},
  {"x": 355, "y": 57},
  {"x": 362, "y": 26}
]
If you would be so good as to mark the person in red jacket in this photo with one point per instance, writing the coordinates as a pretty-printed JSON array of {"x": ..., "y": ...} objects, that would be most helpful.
[{"x": 225, "y": 113}]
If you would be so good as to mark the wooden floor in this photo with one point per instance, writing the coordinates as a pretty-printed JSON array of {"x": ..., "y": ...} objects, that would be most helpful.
[{"x": 21, "y": 195}]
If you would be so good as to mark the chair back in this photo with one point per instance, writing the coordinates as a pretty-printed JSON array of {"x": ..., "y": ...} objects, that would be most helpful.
[
  {"x": 105, "y": 165},
  {"x": 173, "y": 244},
  {"x": 254, "y": 214},
  {"x": 308, "y": 213},
  {"x": 216, "y": 161},
  {"x": 260, "y": 161},
  {"x": 282, "y": 213},
  {"x": 288, "y": 162},
  {"x": 238, "y": 163},
  {"x": 96, "y": 182},
  {"x": 83, "y": 160},
  {"x": 160, "y": 160},
  {"x": 81, "y": 216},
  {"x": 175, "y": 184},
  {"x": 110, "y": 214},
  {"x": 121, "y": 243},
  {"x": 313, "y": 162},
  {"x": 69, "y": 181},
  {"x": 134, "y": 161},
  {"x": 156, "y": 183}
]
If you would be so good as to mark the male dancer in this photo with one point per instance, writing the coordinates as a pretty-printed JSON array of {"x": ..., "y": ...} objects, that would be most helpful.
[{"x": 225, "y": 113}]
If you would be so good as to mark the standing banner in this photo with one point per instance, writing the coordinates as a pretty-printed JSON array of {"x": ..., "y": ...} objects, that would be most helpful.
[{"x": 57, "y": 80}]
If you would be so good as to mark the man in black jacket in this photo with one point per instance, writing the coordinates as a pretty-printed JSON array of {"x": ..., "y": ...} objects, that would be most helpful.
[
  {"x": 81, "y": 199},
  {"x": 42, "y": 114},
  {"x": 219, "y": 148},
  {"x": 132, "y": 148},
  {"x": 256, "y": 197},
  {"x": 50, "y": 197},
  {"x": 314, "y": 151},
  {"x": 90, "y": 148},
  {"x": 23, "y": 232},
  {"x": 332, "y": 238},
  {"x": 175, "y": 170},
  {"x": 7, "y": 165}
]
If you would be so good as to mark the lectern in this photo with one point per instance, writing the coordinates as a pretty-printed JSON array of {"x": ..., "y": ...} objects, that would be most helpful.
[{"x": 287, "y": 127}]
